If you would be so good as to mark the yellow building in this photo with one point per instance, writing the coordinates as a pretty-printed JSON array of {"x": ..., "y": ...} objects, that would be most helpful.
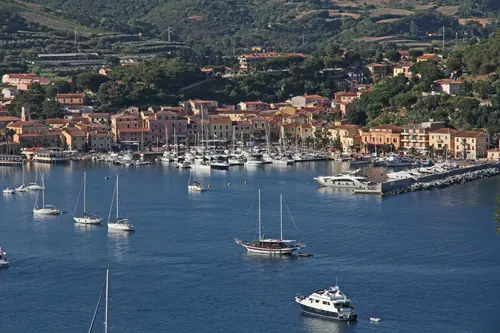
[
  {"x": 100, "y": 140},
  {"x": 348, "y": 134},
  {"x": 443, "y": 138},
  {"x": 75, "y": 138},
  {"x": 471, "y": 145}
]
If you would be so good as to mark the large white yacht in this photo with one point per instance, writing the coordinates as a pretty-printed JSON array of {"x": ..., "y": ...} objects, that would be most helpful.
[
  {"x": 345, "y": 180},
  {"x": 330, "y": 303}
]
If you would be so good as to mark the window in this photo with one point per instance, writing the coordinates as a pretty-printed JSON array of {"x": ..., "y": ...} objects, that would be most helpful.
[
  {"x": 394, "y": 140},
  {"x": 326, "y": 303},
  {"x": 433, "y": 137}
]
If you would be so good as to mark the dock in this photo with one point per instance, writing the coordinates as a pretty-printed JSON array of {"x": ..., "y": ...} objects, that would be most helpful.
[{"x": 11, "y": 160}]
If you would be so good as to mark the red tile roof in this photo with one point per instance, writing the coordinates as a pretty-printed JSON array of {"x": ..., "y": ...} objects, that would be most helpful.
[
  {"x": 467, "y": 134},
  {"x": 444, "y": 131},
  {"x": 448, "y": 81},
  {"x": 314, "y": 96}
]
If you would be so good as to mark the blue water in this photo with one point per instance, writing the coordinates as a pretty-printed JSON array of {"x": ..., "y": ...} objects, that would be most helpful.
[{"x": 423, "y": 262}]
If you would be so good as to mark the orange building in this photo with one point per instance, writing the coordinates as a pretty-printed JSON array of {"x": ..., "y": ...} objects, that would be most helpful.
[{"x": 381, "y": 138}]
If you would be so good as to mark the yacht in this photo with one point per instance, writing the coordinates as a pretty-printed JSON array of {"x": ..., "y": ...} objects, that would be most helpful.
[
  {"x": 395, "y": 161},
  {"x": 194, "y": 186},
  {"x": 235, "y": 161},
  {"x": 9, "y": 190},
  {"x": 4, "y": 261},
  {"x": 219, "y": 165},
  {"x": 44, "y": 209},
  {"x": 269, "y": 245},
  {"x": 404, "y": 174},
  {"x": 119, "y": 223},
  {"x": 253, "y": 162},
  {"x": 330, "y": 303},
  {"x": 184, "y": 165},
  {"x": 345, "y": 180},
  {"x": 86, "y": 218}
]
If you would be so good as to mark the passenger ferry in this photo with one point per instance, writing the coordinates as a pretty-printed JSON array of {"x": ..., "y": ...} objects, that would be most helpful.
[{"x": 330, "y": 303}]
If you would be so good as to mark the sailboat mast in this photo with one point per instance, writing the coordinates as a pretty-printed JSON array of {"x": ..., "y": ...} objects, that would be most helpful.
[
  {"x": 281, "y": 216},
  {"x": 43, "y": 191},
  {"x": 260, "y": 232},
  {"x": 84, "y": 194},
  {"x": 117, "y": 215},
  {"x": 107, "y": 293},
  {"x": 166, "y": 137}
]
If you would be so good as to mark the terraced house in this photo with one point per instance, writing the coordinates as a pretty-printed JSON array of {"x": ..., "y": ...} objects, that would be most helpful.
[{"x": 471, "y": 145}]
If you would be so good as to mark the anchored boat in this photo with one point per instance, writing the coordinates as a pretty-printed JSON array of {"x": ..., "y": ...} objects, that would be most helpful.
[{"x": 329, "y": 303}]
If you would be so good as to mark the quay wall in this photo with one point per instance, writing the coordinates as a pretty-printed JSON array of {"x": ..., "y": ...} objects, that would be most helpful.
[{"x": 404, "y": 183}]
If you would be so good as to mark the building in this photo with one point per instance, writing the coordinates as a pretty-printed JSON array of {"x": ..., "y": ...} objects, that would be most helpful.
[
  {"x": 252, "y": 106},
  {"x": 384, "y": 138},
  {"x": 196, "y": 106},
  {"x": 73, "y": 99},
  {"x": 23, "y": 81},
  {"x": 163, "y": 125},
  {"x": 428, "y": 56},
  {"x": 124, "y": 122},
  {"x": 494, "y": 154},
  {"x": 348, "y": 135},
  {"x": 221, "y": 128},
  {"x": 471, "y": 145},
  {"x": 378, "y": 70},
  {"x": 250, "y": 61},
  {"x": 98, "y": 117},
  {"x": 74, "y": 138},
  {"x": 403, "y": 69},
  {"x": 56, "y": 122},
  {"x": 417, "y": 135},
  {"x": 449, "y": 86},
  {"x": 100, "y": 140},
  {"x": 443, "y": 138},
  {"x": 307, "y": 100}
]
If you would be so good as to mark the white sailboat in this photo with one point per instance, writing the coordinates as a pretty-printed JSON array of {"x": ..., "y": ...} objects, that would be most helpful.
[
  {"x": 35, "y": 186},
  {"x": 44, "y": 209},
  {"x": 119, "y": 223},
  {"x": 194, "y": 186},
  {"x": 106, "y": 290},
  {"x": 86, "y": 218},
  {"x": 22, "y": 187}
]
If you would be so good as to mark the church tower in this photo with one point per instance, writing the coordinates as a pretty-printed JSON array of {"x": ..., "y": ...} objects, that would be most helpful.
[{"x": 25, "y": 113}]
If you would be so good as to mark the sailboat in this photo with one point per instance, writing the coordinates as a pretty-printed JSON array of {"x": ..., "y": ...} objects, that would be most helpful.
[
  {"x": 35, "y": 186},
  {"x": 106, "y": 290},
  {"x": 269, "y": 245},
  {"x": 194, "y": 186},
  {"x": 119, "y": 223},
  {"x": 44, "y": 209},
  {"x": 22, "y": 187},
  {"x": 86, "y": 218}
]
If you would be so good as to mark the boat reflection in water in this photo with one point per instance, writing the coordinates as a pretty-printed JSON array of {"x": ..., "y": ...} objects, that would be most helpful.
[
  {"x": 119, "y": 243},
  {"x": 318, "y": 325}
]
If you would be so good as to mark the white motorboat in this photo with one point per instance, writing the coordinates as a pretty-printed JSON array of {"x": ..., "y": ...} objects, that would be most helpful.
[
  {"x": 9, "y": 191},
  {"x": 119, "y": 223},
  {"x": 395, "y": 161},
  {"x": 375, "y": 319},
  {"x": 44, "y": 209},
  {"x": 253, "y": 162},
  {"x": 4, "y": 261},
  {"x": 184, "y": 165},
  {"x": 219, "y": 165},
  {"x": 271, "y": 246},
  {"x": 86, "y": 218},
  {"x": 330, "y": 303},
  {"x": 413, "y": 174},
  {"x": 235, "y": 161},
  {"x": 345, "y": 180}
]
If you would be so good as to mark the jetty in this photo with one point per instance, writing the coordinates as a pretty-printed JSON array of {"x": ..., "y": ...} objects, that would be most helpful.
[{"x": 434, "y": 181}]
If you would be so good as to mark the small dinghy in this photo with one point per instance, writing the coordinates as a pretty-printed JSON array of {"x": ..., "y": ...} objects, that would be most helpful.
[
  {"x": 300, "y": 254},
  {"x": 374, "y": 319}
]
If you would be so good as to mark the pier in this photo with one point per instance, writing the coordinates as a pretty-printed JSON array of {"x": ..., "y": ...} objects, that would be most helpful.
[
  {"x": 11, "y": 160},
  {"x": 51, "y": 157}
]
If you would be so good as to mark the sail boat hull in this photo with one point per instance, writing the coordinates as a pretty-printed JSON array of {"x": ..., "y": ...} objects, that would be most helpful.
[
  {"x": 268, "y": 248},
  {"x": 88, "y": 220},
  {"x": 46, "y": 211}
]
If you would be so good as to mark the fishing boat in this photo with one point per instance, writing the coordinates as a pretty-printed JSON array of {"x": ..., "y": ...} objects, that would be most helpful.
[
  {"x": 194, "y": 186},
  {"x": 4, "y": 261},
  {"x": 44, "y": 209},
  {"x": 86, "y": 218},
  {"x": 269, "y": 245},
  {"x": 119, "y": 223},
  {"x": 329, "y": 303}
]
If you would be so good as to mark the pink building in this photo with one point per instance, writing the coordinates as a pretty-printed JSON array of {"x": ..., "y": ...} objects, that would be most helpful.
[{"x": 163, "y": 122}]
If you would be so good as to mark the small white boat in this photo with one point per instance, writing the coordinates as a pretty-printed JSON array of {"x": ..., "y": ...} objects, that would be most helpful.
[
  {"x": 9, "y": 190},
  {"x": 119, "y": 223},
  {"x": 22, "y": 188},
  {"x": 86, "y": 218},
  {"x": 375, "y": 319},
  {"x": 194, "y": 186},
  {"x": 4, "y": 262}
]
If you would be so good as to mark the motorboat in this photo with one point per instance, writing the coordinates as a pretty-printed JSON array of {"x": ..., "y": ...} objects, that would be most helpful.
[
  {"x": 375, "y": 319},
  {"x": 235, "y": 161},
  {"x": 413, "y": 174},
  {"x": 196, "y": 187},
  {"x": 86, "y": 218},
  {"x": 345, "y": 180},
  {"x": 44, "y": 209},
  {"x": 184, "y": 165},
  {"x": 395, "y": 161},
  {"x": 9, "y": 191},
  {"x": 219, "y": 165},
  {"x": 329, "y": 303},
  {"x": 359, "y": 161},
  {"x": 271, "y": 246},
  {"x": 4, "y": 261},
  {"x": 253, "y": 162},
  {"x": 119, "y": 223}
]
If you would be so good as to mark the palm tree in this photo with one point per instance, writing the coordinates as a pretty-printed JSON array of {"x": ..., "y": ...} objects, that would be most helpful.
[
  {"x": 464, "y": 144},
  {"x": 430, "y": 151},
  {"x": 9, "y": 136}
]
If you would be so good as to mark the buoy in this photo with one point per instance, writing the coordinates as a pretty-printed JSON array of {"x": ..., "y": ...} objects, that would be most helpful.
[
  {"x": 246, "y": 182},
  {"x": 228, "y": 184}
]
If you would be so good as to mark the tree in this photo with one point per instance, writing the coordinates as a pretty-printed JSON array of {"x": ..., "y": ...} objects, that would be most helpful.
[
  {"x": 90, "y": 81},
  {"x": 337, "y": 143},
  {"x": 412, "y": 151},
  {"x": 429, "y": 70},
  {"x": 430, "y": 151},
  {"x": 112, "y": 93},
  {"x": 393, "y": 55}
]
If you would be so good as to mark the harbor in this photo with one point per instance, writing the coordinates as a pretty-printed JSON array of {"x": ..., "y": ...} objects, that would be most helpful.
[{"x": 184, "y": 244}]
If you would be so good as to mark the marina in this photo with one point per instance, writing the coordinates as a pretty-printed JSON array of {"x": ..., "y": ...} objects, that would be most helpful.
[{"x": 448, "y": 242}]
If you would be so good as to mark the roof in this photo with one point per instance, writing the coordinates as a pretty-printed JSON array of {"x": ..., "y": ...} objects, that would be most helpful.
[
  {"x": 70, "y": 95},
  {"x": 313, "y": 96},
  {"x": 21, "y": 124},
  {"x": 199, "y": 101},
  {"x": 448, "y": 81},
  {"x": 494, "y": 150},
  {"x": 98, "y": 115},
  {"x": 271, "y": 55},
  {"x": 254, "y": 103},
  {"x": 166, "y": 113},
  {"x": 376, "y": 65},
  {"x": 74, "y": 131},
  {"x": 444, "y": 130},
  {"x": 467, "y": 134},
  {"x": 429, "y": 57},
  {"x": 9, "y": 118},
  {"x": 404, "y": 53},
  {"x": 56, "y": 121},
  {"x": 23, "y": 76},
  {"x": 387, "y": 127}
]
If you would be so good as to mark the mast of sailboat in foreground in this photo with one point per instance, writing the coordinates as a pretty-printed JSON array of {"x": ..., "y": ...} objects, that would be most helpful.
[
  {"x": 84, "y": 194},
  {"x": 117, "y": 215},
  {"x": 106, "y": 307},
  {"x": 281, "y": 216},
  {"x": 260, "y": 232}
]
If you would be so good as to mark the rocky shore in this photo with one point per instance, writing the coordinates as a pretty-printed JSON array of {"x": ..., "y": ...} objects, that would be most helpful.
[{"x": 448, "y": 181}]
